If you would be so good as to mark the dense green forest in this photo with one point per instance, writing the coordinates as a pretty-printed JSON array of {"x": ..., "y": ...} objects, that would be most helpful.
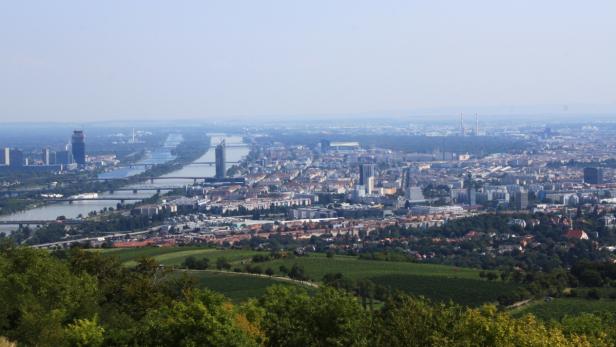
[{"x": 81, "y": 298}]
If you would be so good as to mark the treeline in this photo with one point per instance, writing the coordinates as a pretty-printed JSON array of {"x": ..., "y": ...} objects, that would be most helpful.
[
  {"x": 193, "y": 263},
  {"x": 82, "y": 298},
  {"x": 12, "y": 205},
  {"x": 548, "y": 249},
  {"x": 592, "y": 280},
  {"x": 296, "y": 272},
  {"x": 594, "y": 274},
  {"x": 365, "y": 289}
]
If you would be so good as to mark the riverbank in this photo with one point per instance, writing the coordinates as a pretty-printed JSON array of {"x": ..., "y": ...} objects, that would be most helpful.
[
  {"x": 84, "y": 208},
  {"x": 185, "y": 153}
]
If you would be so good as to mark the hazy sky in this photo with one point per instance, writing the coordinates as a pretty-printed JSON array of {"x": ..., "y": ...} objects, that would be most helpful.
[{"x": 127, "y": 59}]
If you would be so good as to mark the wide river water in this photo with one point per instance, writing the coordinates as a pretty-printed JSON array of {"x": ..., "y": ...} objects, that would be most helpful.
[{"x": 52, "y": 211}]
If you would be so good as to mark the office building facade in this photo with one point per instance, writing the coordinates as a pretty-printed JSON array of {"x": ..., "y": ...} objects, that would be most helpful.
[
  {"x": 365, "y": 171},
  {"x": 46, "y": 156},
  {"x": 366, "y": 176},
  {"x": 78, "y": 144},
  {"x": 593, "y": 175},
  {"x": 221, "y": 165},
  {"x": 521, "y": 200},
  {"x": 63, "y": 158},
  {"x": 414, "y": 194},
  {"x": 16, "y": 158},
  {"x": 5, "y": 156}
]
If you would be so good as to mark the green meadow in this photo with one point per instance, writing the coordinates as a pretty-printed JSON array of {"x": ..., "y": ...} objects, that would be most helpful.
[{"x": 437, "y": 282}]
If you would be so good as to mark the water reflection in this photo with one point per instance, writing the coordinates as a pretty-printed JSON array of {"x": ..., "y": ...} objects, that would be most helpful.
[{"x": 158, "y": 156}]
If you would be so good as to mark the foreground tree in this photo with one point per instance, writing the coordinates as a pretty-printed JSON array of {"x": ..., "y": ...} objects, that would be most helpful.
[
  {"x": 408, "y": 321},
  {"x": 329, "y": 318},
  {"x": 80, "y": 298},
  {"x": 38, "y": 295},
  {"x": 204, "y": 318},
  {"x": 84, "y": 333}
]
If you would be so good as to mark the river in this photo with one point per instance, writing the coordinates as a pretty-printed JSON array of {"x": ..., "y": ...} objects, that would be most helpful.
[{"x": 52, "y": 211}]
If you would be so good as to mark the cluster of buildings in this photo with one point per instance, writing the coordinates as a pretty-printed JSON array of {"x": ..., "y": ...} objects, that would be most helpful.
[
  {"x": 346, "y": 188},
  {"x": 333, "y": 173},
  {"x": 202, "y": 227},
  {"x": 72, "y": 153}
]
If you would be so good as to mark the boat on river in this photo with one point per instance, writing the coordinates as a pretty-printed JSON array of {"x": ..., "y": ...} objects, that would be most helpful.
[{"x": 85, "y": 196}]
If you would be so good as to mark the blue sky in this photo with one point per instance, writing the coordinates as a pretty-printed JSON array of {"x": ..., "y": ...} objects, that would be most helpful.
[{"x": 84, "y": 60}]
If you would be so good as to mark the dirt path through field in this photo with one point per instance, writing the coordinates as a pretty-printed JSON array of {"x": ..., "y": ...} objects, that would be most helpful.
[{"x": 277, "y": 278}]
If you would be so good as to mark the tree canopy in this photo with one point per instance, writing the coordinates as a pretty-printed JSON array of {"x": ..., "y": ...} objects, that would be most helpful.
[{"x": 83, "y": 298}]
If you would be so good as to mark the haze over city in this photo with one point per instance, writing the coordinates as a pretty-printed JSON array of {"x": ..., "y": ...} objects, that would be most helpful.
[{"x": 76, "y": 61}]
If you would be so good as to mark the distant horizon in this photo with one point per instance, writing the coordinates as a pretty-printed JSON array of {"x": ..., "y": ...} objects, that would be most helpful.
[{"x": 545, "y": 113}]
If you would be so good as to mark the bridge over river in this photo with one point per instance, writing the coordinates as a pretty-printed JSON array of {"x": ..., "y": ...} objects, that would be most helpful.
[
  {"x": 150, "y": 165},
  {"x": 103, "y": 198}
]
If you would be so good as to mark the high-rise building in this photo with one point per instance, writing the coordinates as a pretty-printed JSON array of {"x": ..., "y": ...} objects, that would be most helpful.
[
  {"x": 365, "y": 171},
  {"x": 414, "y": 194},
  {"x": 46, "y": 156},
  {"x": 593, "y": 175},
  {"x": 471, "y": 191},
  {"x": 5, "y": 156},
  {"x": 411, "y": 191},
  {"x": 63, "y": 158},
  {"x": 325, "y": 145},
  {"x": 370, "y": 185},
  {"x": 521, "y": 200},
  {"x": 407, "y": 175},
  {"x": 78, "y": 144},
  {"x": 221, "y": 167},
  {"x": 472, "y": 196},
  {"x": 16, "y": 158},
  {"x": 366, "y": 176}
]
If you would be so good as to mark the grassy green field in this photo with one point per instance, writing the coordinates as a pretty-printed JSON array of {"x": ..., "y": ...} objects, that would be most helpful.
[
  {"x": 559, "y": 307},
  {"x": 463, "y": 291},
  {"x": 437, "y": 282},
  {"x": 317, "y": 265},
  {"x": 237, "y": 287}
]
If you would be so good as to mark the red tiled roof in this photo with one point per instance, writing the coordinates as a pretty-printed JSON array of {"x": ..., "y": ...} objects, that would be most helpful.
[{"x": 576, "y": 234}]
